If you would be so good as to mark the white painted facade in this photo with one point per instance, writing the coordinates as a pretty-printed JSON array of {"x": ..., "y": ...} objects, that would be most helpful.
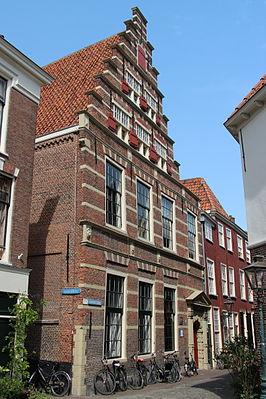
[
  {"x": 253, "y": 154},
  {"x": 248, "y": 127}
]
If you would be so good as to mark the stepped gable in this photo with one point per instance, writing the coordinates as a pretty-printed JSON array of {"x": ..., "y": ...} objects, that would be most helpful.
[
  {"x": 74, "y": 75},
  {"x": 208, "y": 200}
]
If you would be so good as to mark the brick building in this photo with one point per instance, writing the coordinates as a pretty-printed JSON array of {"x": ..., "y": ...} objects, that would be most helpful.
[
  {"x": 226, "y": 254},
  {"x": 20, "y": 81},
  {"x": 115, "y": 238}
]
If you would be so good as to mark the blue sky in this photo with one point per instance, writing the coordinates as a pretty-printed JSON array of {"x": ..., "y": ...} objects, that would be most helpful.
[{"x": 209, "y": 54}]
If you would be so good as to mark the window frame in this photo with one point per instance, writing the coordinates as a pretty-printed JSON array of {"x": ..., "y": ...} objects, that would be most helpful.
[
  {"x": 150, "y": 219},
  {"x": 208, "y": 233},
  {"x": 229, "y": 239},
  {"x": 172, "y": 248},
  {"x": 195, "y": 235},
  {"x": 118, "y": 310},
  {"x": 248, "y": 255},
  {"x": 150, "y": 313},
  {"x": 217, "y": 331},
  {"x": 231, "y": 283},
  {"x": 240, "y": 248},
  {"x": 174, "y": 321},
  {"x": 122, "y": 196},
  {"x": 3, "y": 103},
  {"x": 213, "y": 278},
  {"x": 224, "y": 279},
  {"x": 221, "y": 239},
  {"x": 242, "y": 283}
]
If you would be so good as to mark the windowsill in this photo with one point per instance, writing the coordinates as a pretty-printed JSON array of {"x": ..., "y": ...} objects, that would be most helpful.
[
  {"x": 146, "y": 355},
  {"x": 244, "y": 299},
  {"x": 213, "y": 295},
  {"x": 230, "y": 250},
  {"x": 146, "y": 241},
  {"x": 222, "y": 246},
  {"x": 118, "y": 229},
  {"x": 209, "y": 240},
  {"x": 169, "y": 250},
  {"x": 241, "y": 258}
]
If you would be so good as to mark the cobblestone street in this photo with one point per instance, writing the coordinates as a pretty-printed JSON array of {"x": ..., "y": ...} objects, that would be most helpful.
[{"x": 214, "y": 384}]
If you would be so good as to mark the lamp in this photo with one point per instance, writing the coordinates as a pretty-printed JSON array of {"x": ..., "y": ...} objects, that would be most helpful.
[
  {"x": 228, "y": 303},
  {"x": 255, "y": 273},
  {"x": 256, "y": 276}
]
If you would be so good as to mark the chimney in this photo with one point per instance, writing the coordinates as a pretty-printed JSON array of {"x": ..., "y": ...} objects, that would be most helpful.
[{"x": 232, "y": 218}]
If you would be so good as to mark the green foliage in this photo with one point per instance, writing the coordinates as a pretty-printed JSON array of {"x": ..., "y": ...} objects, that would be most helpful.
[
  {"x": 24, "y": 316},
  {"x": 35, "y": 394},
  {"x": 244, "y": 365},
  {"x": 11, "y": 388}
]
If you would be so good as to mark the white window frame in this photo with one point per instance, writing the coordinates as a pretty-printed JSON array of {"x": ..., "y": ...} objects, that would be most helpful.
[
  {"x": 217, "y": 331},
  {"x": 208, "y": 230},
  {"x": 153, "y": 330},
  {"x": 124, "y": 317},
  {"x": 123, "y": 198},
  {"x": 240, "y": 249},
  {"x": 229, "y": 242},
  {"x": 116, "y": 108},
  {"x": 161, "y": 149},
  {"x": 221, "y": 235},
  {"x": 224, "y": 279},
  {"x": 250, "y": 294},
  {"x": 213, "y": 277},
  {"x": 173, "y": 224},
  {"x": 248, "y": 256},
  {"x": 133, "y": 82},
  {"x": 242, "y": 282},
  {"x": 196, "y": 233},
  {"x": 231, "y": 282},
  {"x": 173, "y": 287},
  {"x": 151, "y": 219},
  {"x": 143, "y": 134}
]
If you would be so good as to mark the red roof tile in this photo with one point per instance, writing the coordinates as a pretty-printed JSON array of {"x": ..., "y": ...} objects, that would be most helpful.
[
  {"x": 261, "y": 83},
  {"x": 74, "y": 76},
  {"x": 208, "y": 200}
]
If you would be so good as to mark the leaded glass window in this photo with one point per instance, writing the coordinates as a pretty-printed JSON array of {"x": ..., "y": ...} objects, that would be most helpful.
[
  {"x": 167, "y": 216},
  {"x": 169, "y": 319},
  {"x": 113, "y": 317},
  {"x": 143, "y": 196},
  {"x": 145, "y": 317},
  {"x": 191, "y": 221},
  {"x": 113, "y": 195}
]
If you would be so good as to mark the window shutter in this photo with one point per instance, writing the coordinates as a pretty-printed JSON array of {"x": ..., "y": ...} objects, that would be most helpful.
[{"x": 142, "y": 58}]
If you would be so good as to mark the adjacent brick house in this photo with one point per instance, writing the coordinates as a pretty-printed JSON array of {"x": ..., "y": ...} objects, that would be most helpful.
[
  {"x": 20, "y": 81},
  {"x": 226, "y": 254},
  {"x": 115, "y": 238}
]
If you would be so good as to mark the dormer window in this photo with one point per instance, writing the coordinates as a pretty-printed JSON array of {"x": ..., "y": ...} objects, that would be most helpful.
[
  {"x": 3, "y": 85},
  {"x": 121, "y": 116}
]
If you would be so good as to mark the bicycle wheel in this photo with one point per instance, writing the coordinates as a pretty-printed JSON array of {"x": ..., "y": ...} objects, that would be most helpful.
[
  {"x": 172, "y": 375},
  {"x": 151, "y": 378},
  {"x": 145, "y": 374},
  {"x": 104, "y": 382},
  {"x": 134, "y": 379},
  {"x": 59, "y": 383},
  {"x": 121, "y": 379}
]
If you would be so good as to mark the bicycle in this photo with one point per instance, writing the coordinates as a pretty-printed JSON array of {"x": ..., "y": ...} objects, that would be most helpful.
[
  {"x": 167, "y": 373},
  {"x": 140, "y": 366},
  {"x": 176, "y": 364},
  {"x": 57, "y": 382},
  {"x": 135, "y": 378},
  {"x": 190, "y": 366},
  {"x": 107, "y": 381}
]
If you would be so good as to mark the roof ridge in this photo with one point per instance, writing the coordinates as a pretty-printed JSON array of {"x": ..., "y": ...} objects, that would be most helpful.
[{"x": 82, "y": 49}]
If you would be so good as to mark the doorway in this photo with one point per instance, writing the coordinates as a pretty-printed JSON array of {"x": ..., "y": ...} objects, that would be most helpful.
[{"x": 196, "y": 327}]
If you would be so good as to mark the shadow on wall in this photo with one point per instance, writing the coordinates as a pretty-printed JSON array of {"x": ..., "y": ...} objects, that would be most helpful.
[{"x": 37, "y": 261}]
